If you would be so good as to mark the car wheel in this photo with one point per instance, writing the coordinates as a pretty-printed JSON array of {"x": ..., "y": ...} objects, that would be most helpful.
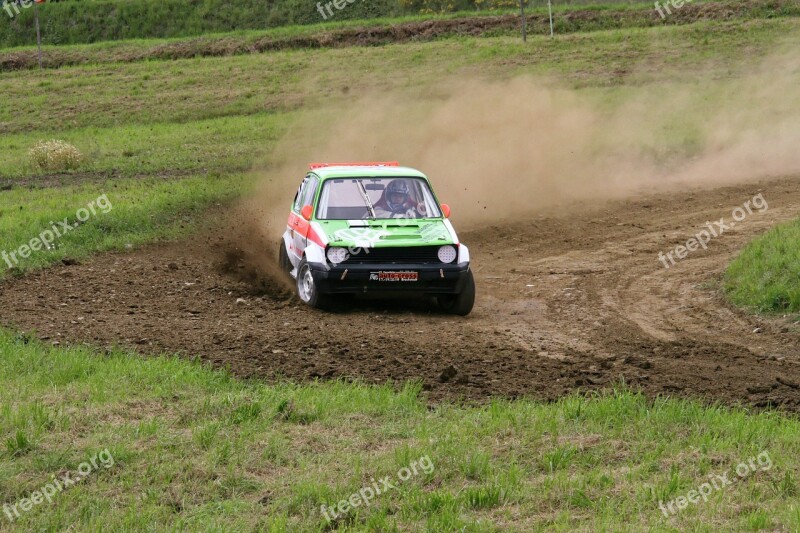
[
  {"x": 307, "y": 288},
  {"x": 461, "y": 303},
  {"x": 283, "y": 259}
]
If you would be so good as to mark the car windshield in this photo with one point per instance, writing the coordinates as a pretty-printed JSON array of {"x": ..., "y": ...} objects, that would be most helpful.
[{"x": 376, "y": 198}]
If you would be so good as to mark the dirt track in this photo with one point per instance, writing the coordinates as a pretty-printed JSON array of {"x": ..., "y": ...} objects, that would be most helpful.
[{"x": 564, "y": 302}]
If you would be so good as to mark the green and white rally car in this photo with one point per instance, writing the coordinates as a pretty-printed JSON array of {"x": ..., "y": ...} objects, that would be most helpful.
[{"x": 374, "y": 228}]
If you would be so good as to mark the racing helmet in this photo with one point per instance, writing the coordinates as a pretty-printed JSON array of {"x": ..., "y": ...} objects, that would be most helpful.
[{"x": 395, "y": 189}]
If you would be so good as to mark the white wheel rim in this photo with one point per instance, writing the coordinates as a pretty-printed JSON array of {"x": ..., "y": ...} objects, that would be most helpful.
[{"x": 306, "y": 284}]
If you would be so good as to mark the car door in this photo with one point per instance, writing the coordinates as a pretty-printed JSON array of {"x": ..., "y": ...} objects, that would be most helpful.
[{"x": 299, "y": 225}]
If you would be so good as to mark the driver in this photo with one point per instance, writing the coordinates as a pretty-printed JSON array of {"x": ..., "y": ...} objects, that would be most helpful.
[{"x": 396, "y": 201}]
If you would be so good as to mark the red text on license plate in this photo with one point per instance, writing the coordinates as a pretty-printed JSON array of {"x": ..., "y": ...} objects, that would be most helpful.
[{"x": 394, "y": 276}]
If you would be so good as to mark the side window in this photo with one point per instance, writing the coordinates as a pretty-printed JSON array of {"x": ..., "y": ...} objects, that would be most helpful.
[
  {"x": 298, "y": 198},
  {"x": 310, "y": 191}
]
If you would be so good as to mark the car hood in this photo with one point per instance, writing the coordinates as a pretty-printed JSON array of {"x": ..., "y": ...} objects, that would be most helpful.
[{"x": 387, "y": 233}]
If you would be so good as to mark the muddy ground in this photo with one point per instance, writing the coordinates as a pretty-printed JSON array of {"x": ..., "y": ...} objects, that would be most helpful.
[{"x": 565, "y": 302}]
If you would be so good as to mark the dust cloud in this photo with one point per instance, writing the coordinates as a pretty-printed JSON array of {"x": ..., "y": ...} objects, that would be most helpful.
[{"x": 509, "y": 149}]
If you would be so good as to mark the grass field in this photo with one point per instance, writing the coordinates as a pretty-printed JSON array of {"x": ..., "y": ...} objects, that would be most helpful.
[
  {"x": 84, "y": 21},
  {"x": 195, "y": 449},
  {"x": 766, "y": 276},
  {"x": 140, "y": 211},
  {"x": 183, "y": 91},
  {"x": 212, "y": 146},
  {"x": 381, "y": 31}
]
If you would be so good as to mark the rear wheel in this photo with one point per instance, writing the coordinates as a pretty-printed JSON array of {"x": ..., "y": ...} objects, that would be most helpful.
[
  {"x": 307, "y": 289},
  {"x": 461, "y": 303}
]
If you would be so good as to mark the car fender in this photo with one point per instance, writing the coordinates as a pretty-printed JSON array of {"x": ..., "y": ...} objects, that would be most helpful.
[
  {"x": 315, "y": 253},
  {"x": 319, "y": 236},
  {"x": 463, "y": 254},
  {"x": 451, "y": 231},
  {"x": 288, "y": 244}
]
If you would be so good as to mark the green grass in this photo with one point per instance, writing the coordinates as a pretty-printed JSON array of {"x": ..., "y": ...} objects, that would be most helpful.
[
  {"x": 381, "y": 31},
  {"x": 140, "y": 211},
  {"x": 188, "y": 90},
  {"x": 74, "y": 22},
  {"x": 196, "y": 449},
  {"x": 766, "y": 275},
  {"x": 212, "y": 146},
  {"x": 91, "y": 21}
]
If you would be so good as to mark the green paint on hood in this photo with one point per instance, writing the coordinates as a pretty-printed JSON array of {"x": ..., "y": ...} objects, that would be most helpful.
[{"x": 386, "y": 233}]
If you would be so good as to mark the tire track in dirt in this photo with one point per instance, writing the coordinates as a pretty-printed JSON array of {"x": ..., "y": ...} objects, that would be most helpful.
[{"x": 565, "y": 302}]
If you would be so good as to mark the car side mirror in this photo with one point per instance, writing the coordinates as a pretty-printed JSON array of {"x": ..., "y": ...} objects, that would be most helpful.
[
  {"x": 446, "y": 210},
  {"x": 306, "y": 212}
]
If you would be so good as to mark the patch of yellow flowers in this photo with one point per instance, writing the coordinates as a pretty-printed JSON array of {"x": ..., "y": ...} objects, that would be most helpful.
[{"x": 55, "y": 156}]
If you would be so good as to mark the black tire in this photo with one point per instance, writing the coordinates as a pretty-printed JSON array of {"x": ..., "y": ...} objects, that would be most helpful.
[
  {"x": 283, "y": 259},
  {"x": 307, "y": 289},
  {"x": 461, "y": 303}
]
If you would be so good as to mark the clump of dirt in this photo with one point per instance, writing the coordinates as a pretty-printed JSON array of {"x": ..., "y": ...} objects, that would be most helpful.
[{"x": 246, "y": 248}]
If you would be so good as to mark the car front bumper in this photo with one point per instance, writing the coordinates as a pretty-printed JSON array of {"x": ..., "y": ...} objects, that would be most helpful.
[{"x": 357, "y": 278}]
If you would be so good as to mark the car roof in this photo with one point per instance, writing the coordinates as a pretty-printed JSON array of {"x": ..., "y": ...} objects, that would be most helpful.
[{"x": 376, "y": 171}]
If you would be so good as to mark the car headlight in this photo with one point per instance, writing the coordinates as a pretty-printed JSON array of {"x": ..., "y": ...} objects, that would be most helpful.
[
  {"x": 447, "y": 254},
  {"x": 336, "y": 255}
]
